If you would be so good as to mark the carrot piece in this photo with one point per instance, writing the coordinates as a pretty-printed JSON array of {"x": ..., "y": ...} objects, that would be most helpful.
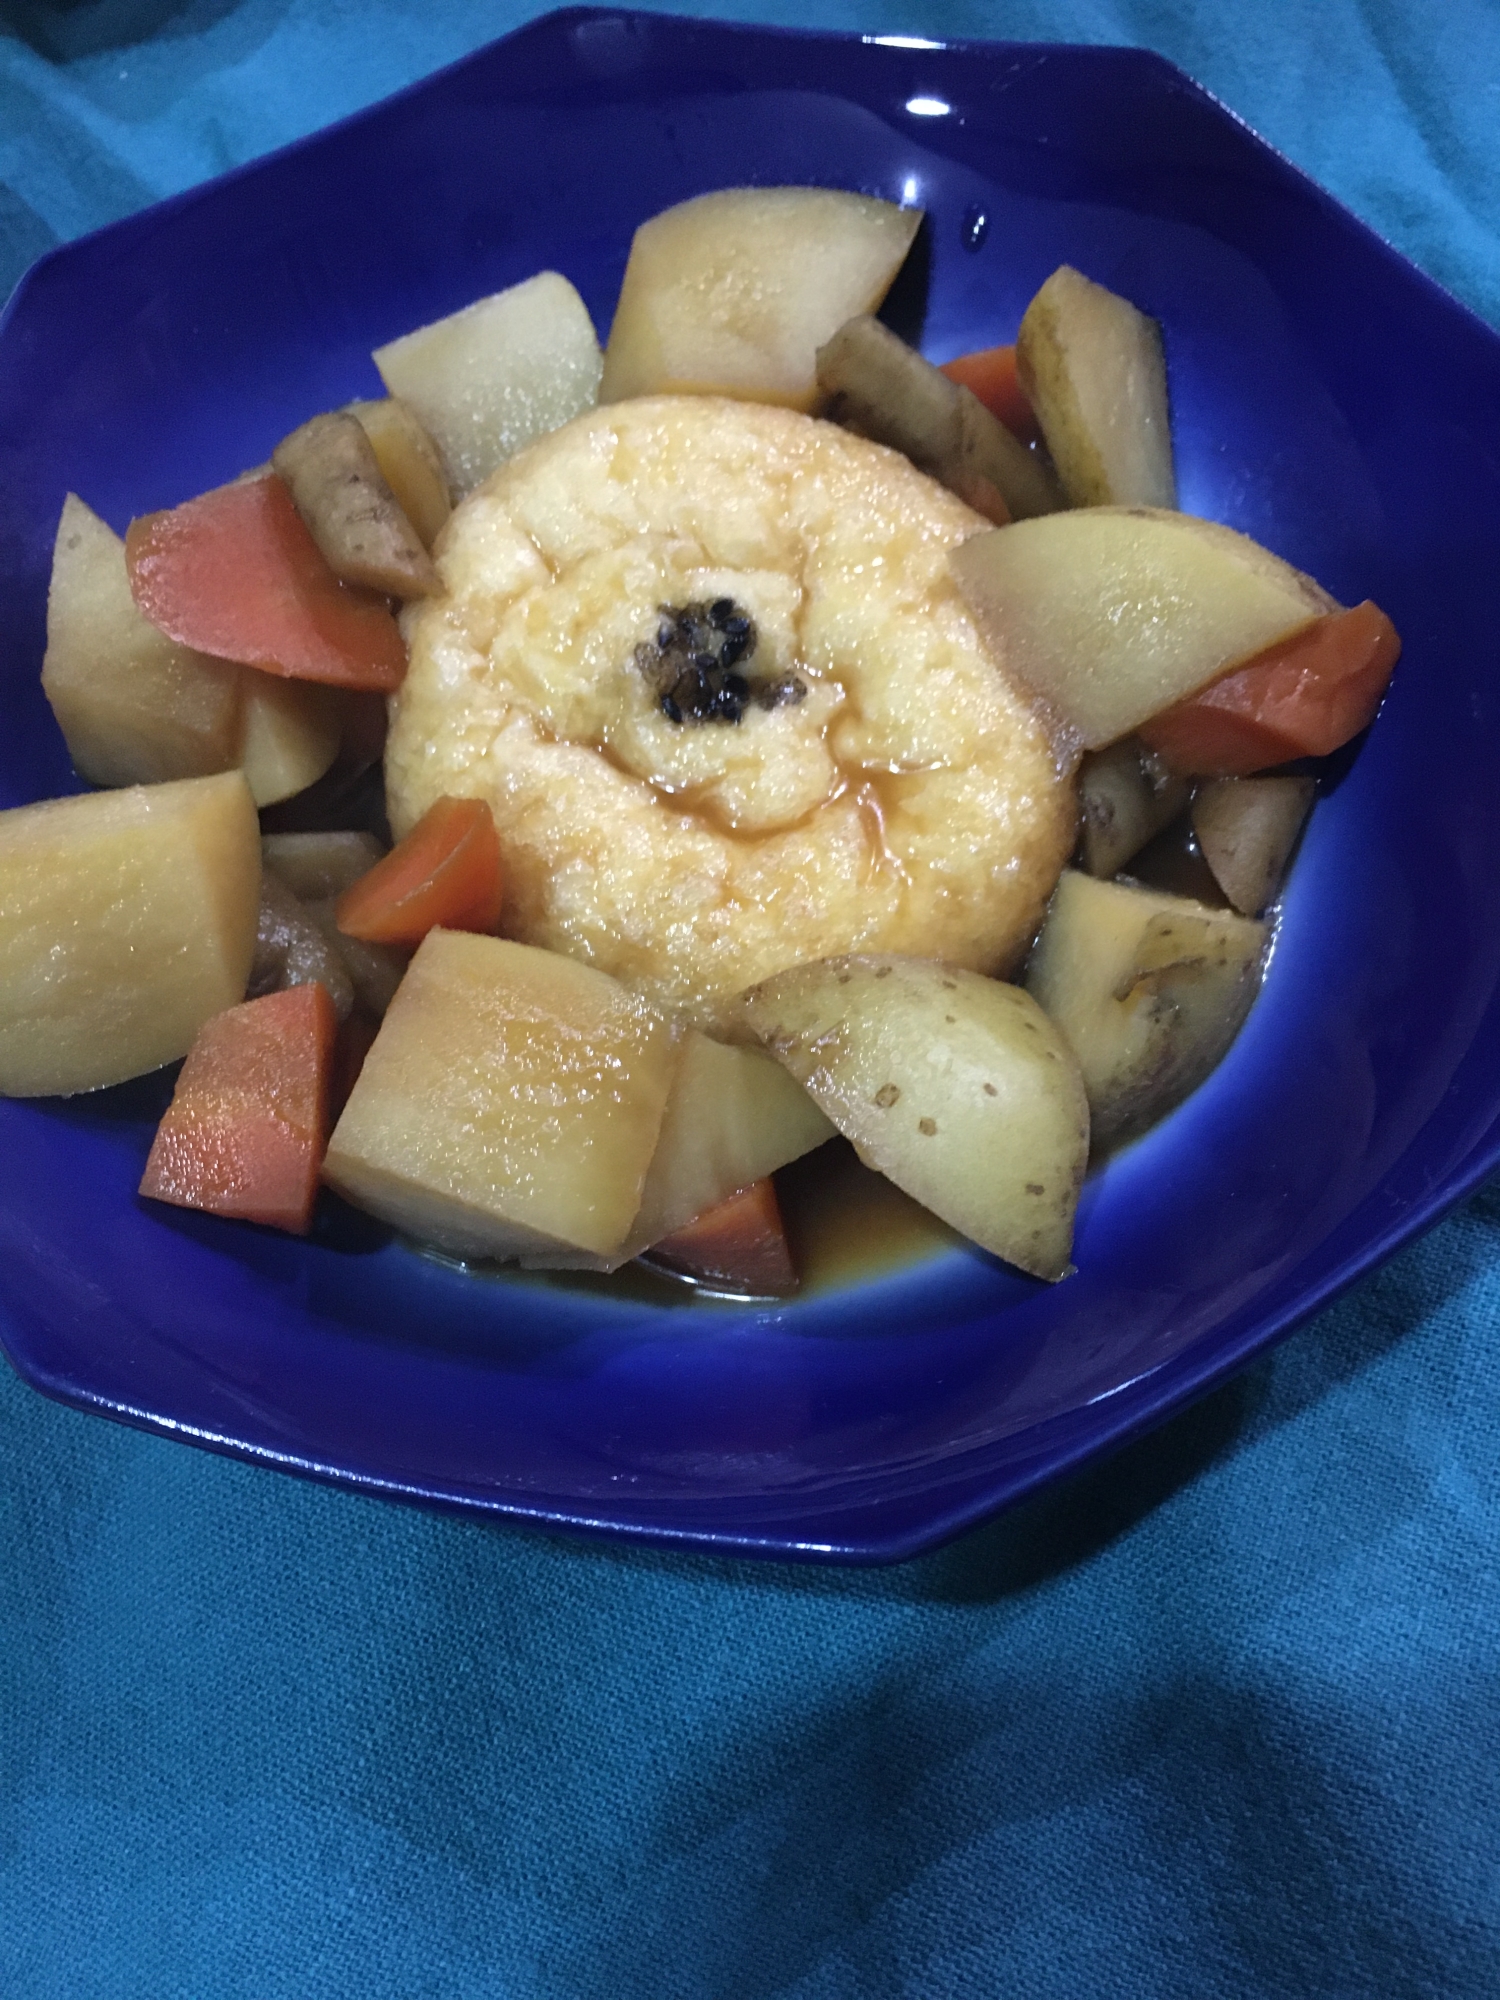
[
  {"x": 236, "y": 573},
  {"x": 248, "y": 1124},
  {"x": 446, "y": 872},
  {"x": 1303, "y": 697},
  {"x": 739, "y": 1246},
  {"x": 991, "y": 374}
]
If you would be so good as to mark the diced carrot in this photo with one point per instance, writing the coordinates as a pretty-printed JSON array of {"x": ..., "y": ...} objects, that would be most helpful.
[
  {"x": 738, "y": 1246},
  {"x": 248, "y": 1124},
  {"x": 1303, "y": 697},
  {"x": 991, "y": 374},
  {"x": 446, "y": 872},
  {"x": 236, "y": 573}
]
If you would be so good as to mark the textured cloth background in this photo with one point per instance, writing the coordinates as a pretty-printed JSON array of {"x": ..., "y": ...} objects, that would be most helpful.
[{"x": 1220, "y": 1718}]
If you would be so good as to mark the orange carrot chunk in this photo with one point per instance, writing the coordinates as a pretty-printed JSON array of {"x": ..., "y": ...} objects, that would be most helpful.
[
  {"x": 1303, "y": 697},
  {"x": 248, "y": 1124},
  {"x": 739, "y": 1246},
  {"x": 236, "y": 573},
  {"x": 991, "y": 374},
  {"x": 446, "y": 872}
]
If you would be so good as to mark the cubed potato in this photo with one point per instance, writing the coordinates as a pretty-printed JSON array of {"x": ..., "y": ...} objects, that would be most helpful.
[
  {"x": 1246, "y": 829},
  {"x": 1149, "y": 990},
  {"x": 885, "y": 390},
  {"x": 1093, "y": 369},
  {"x": 127, "y": 918},
  {"x": 953, "y": 1086},
  {"x": 351, "y": 512},
  {"x": 320, "y": 864},
  {"x": 1125, "y": 798},
  {"x": 1111, "y": 614},
  {"x": 409, "y": 460},
  {"x": 489, "y": 379},
  {"x": 734, "y": 292},
  {"x": 510, "y": 1105},
  {"x": 291, "y": 734},
  {"x": 134, "y": 707}
]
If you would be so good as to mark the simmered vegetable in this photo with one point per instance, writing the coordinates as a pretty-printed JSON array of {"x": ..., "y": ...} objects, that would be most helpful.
[
  {"x": 739, "y": 1246},
  {"x": 290, "y": 950},
  {"x": 1246, "y": 829},
  {"x": 993, "y": 375},
  {"x": 409, "y": 461},
  {"x": 446, "y": 871},
  {"x": 1125, "y": 798},
  {"x": 336, "y": 483}
]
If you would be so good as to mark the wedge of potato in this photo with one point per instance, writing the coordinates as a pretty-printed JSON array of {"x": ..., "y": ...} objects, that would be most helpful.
[
  {"x": 410, "y": 462},
  {"x": 489, "y": 379},
  {"x": 734, "y": 292},
  {"x": 1093, "y": 369},
  {"x": 1125, "y": 798},
  {"x": 134, "y": 707},
  {"x": 1111, "y": 614},
  {"x": 1246, "y": 830},
  {"x": 955, "y": 1087},
  {"x": 1149, "y": 990},
  {"x": 291, "y": 731},
  {"x": 351, "y": 512},
  {"x": 127, "y": 918},
  {"x": 882, "y": 388},
  {"x": 510, "y": 1105}
]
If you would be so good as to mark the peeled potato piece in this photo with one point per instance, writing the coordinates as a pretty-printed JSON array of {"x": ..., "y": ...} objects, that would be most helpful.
[
  {"x": 489, "y": 379},
  {"x": 1125, "y": 798},
  {"x": 953, "y": 1086},
  {"x": 1092, "y": 367},
  {"x": 350, "y": 510},
  {"x": 510, "y": 1104},
  {"x": 409, "y": 460},
  {"x": 1111, "y": 614},
  {"x": 1246, "y": 830},
  {"x": 134, "y": 707},
  {"x": 127, "y": 918},
  {"x": 879, "y": 386},
  {"x": 1148, "y": 989},
  {"x": 733, "y": 293},
  {"x": 291, "y": 734}
]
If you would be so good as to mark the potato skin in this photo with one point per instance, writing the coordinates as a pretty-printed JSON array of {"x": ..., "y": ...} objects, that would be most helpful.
[{"x": 954, "y": 1086}]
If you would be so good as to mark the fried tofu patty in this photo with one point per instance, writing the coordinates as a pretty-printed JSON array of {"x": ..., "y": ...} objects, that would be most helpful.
[{"x": 705, "y": 662}]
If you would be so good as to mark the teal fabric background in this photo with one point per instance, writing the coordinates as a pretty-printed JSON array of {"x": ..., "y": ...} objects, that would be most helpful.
[{"x": 1217, "y": 1718}]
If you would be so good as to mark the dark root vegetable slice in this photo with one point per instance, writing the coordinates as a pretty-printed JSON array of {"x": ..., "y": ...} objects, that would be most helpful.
[
  {"x": 235, "y": 573},
  {"x": 445, "y": 874},
  {"x": 1305, "y": 696},
  {"x": 338, "y": 488}
]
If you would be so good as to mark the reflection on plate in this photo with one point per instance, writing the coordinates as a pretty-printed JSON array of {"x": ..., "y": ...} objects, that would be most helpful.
[{"x": 1328, "y": 400}]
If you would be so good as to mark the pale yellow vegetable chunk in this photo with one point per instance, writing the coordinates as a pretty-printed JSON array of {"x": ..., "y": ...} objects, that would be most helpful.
[
  {"x": 734, "y": 292},
  {"x": 134, "y": 707},
  {"x": 291, "y": 734},
  {"x": 510, "y": 1105},
  {"x": 127, "y": 918},
  {"x": 954, "y": 1086},
  {"x": 1111, "y": 614},
  {"x": 409, "y": 460},
  {"x": 489, "y": 379},
  {"x": 1149, "y": 990}
]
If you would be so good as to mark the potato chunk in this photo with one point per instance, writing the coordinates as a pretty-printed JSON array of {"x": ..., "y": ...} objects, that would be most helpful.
[
  {"x": 291, "y": 734},
  {"x": 953, "y": 1086},
  {"x": 1125, "y": 798},
  {"x": 1246, "y": 829},
  {"x": 733, "y": 293},
  {"x": 127, "y": 918},
  {"x": 1149, "y": 990},
  {"x": 1111, "y": 614},
  {"x": 510, "y": 1105},
  {"x": 489, "y": 379},
  {"x": 409, "y": 460},
  {"x": 134, "y": 707},
  {"x": 1092, "y": 367}
]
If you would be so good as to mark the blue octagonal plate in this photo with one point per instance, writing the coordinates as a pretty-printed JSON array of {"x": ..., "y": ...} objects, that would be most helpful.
[{"x": 1328, "y": 400}]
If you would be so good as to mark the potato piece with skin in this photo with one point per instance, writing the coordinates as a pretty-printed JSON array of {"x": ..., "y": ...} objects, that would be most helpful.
[
  {"x": 409, "y": 460},
  {"x": 1148, "y": 989},
  {"x": 955, "y": 1087},
  {"x": 134, "y": 707},
  {"x": 1093, "y": 370},
  {"x": 489, "y": 379},
  {"x": 510, "y": 1105},
  {"x": 1111, "y": 614},
  {"x": 356, "y": 520},
  {"x": 733, "y": 293},
  {"x": 1125, "y": 799},
  {"x": 127, "y": 918},
  {"x": 883, "y": 389},
  {"x": 1246, "y": 830}
]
